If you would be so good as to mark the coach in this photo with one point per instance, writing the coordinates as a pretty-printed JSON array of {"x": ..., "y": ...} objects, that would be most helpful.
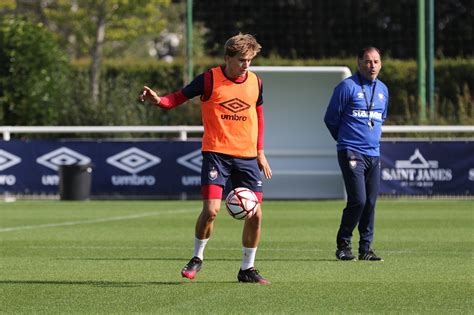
[{"x": 354, "y": 117}]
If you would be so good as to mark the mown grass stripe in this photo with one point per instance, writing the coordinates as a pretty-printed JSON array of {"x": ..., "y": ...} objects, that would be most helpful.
[{"x": 100, "y": 220}]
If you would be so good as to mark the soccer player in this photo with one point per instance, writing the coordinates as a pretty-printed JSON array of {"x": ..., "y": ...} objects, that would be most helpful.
[
  {"x": 232, "y": 144},
  {"x": 354, "y": 117}
]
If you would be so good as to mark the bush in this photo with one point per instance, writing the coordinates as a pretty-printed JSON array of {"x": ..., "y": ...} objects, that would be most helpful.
[
  {"x": 33, "y": 75},
  {"x": 454, "y": 83},
  {"x": 124, "y": 79},
  {"x": 454, "y": 87},
  {"x": 39, "y": 87}
]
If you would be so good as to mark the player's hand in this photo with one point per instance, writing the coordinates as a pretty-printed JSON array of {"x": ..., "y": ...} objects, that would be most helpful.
[
  {"x": 149, "y": 95},
  {"x": 263, "y": 164}
]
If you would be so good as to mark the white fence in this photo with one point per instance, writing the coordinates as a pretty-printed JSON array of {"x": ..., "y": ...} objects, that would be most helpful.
[{"x": 183, "y": 131}]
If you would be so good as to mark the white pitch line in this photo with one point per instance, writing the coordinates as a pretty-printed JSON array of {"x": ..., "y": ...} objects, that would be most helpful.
[{"x": 109, "y": 219}]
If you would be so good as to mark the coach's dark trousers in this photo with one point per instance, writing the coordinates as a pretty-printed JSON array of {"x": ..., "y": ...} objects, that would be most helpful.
[{"x": 361, "y": 175}]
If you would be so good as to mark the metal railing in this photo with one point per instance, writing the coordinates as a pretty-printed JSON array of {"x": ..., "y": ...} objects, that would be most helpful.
[
  {"x": 183, "y": 131},
  {"x": 427, "y": 129}
]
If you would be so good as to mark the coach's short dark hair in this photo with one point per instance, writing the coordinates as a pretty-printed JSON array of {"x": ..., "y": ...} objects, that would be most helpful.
[{"x": 362, "y": 52}]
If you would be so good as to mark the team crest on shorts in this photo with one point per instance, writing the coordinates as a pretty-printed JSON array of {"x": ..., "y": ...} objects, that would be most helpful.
[
  {"x": 213, "y": 174},
  {"x": 353, "y": 162}
]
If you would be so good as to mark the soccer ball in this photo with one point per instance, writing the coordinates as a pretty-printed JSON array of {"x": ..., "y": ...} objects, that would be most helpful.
[{"x": 241, "y": 203}]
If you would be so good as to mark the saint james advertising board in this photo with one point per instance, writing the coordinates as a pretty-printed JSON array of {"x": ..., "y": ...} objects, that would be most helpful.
[
  {"x": 427, "y": 168},
  {"x": 169, "y": 168}
]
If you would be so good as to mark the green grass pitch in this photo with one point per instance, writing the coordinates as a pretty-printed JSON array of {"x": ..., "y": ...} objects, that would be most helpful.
[{"x": 125, "y": 257}]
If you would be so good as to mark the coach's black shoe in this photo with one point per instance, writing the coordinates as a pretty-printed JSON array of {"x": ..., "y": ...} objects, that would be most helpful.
[
  {"x": 251, "y": 275},
  {"x": 370, "y": 255},
  {"x": 344, "y": 252},
  {"x": 192, "y": 268}
]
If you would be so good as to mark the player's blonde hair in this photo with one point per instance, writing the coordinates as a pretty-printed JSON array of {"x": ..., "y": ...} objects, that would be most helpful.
[{"x": 244, "y": 44}]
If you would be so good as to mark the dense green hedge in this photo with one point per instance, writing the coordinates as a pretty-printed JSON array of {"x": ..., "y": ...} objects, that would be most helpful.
[
  {"x": 38, "y": 86},
  {"x": 454, "y": 86},
  {"x": 59, "y": 104},
  {"x": 454, "y": 83},
  {"x": 120, "y": 87}
]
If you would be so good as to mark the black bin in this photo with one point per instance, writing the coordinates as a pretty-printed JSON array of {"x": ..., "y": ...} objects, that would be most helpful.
[{"x": 75, "y": 181}]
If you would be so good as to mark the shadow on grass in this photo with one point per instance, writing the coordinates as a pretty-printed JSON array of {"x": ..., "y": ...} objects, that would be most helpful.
[
  {"x": 187, "y": 258},
  {"x": 107, "y": 284}
]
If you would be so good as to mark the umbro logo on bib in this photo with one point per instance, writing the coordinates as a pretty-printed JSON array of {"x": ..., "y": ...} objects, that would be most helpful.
[{"x": 235, "y": 105}]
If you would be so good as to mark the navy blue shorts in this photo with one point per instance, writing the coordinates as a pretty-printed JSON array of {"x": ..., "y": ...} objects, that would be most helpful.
[{"x": 218, "y": 168}]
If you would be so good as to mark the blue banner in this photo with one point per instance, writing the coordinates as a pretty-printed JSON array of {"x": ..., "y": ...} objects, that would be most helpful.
[
  {"x": 119, "y": 167},
  {"x": 427, "y": 168},
  {"x": 172, "y": 168}
]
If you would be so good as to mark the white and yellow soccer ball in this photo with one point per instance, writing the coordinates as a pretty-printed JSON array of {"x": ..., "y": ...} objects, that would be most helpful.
[{"x": 241, "y": 203}]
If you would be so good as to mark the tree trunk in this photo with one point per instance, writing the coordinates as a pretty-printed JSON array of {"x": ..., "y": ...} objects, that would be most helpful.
[{"x": 97, "y": 53}]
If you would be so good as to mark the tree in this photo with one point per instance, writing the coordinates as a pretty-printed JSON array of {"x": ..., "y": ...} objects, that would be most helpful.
[
  {"x": 86, "y": 28},
  {"x": 33, "y": 74},
  {"x": 114, "y": 20}
]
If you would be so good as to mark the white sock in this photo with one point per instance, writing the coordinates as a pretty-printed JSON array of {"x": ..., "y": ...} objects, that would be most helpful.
[
  {"x": 199, "y": 246},
  {"x": 248, "y": 257}
]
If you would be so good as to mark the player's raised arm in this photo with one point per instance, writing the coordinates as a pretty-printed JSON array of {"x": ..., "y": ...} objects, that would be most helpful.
[{"x": 167, "y": 102}]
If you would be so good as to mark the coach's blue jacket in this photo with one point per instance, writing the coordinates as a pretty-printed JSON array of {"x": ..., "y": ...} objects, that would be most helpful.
[{"x": 347, "y": 117}]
